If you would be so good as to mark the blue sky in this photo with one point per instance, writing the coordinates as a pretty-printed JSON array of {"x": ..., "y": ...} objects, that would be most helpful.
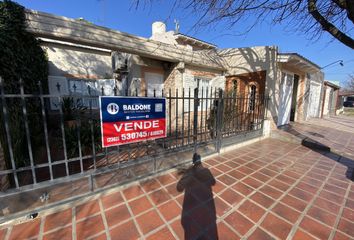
[{"x": 123, "y": 16}]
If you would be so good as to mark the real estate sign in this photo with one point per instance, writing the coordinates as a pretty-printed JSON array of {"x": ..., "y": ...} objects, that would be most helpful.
[{"x": 131, "y": 119}]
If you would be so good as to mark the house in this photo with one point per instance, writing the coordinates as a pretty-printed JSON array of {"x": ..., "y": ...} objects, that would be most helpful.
[
  {"x": 329, "y": 99},
  {"x": 110, "y": 62},
  {"x": 236, "y": 94}
]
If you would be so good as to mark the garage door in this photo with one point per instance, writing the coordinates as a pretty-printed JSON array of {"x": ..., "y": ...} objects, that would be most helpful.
[{"x": 315, "y": 95}]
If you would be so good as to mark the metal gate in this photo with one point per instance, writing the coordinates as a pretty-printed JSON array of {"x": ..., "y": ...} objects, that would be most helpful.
[{"x": 48, "y": 140}]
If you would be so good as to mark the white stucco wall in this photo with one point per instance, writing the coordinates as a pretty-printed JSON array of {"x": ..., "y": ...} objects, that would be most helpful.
[{"x": 68, "y": 60}]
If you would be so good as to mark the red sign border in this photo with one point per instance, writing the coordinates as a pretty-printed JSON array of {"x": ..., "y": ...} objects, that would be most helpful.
[{"x": 101, "y": 122}]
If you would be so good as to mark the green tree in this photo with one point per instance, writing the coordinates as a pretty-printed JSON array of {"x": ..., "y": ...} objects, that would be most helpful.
[{"x": 21, "y": 57}]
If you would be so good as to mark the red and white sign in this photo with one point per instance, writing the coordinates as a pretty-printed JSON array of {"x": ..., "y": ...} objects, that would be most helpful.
[{"x": 127, "y": 119}]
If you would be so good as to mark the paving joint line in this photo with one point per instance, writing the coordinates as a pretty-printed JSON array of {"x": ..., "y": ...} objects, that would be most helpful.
[
  {"x": 339, "y": 215},
  {"x": 296, "y": 226},
  {"x": 160, "y": 215},
  {"x": 41, "y": 228},
  {"x": 268, "y": 210},
  {"x": 132, "y": 216},
  {"x": 104, "y": 219},
  {"x": 73, "y": 219}
]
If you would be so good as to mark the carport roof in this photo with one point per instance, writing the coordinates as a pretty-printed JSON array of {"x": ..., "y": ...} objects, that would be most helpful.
[{"x": 297, "y": 61}]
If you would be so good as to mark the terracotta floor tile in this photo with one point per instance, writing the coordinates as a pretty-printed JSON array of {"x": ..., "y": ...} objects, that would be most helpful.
[
  {"x": 331, "y": 197},
  {"x": 126, "y": 231},
  {"x": 25, "y": 230},
  {"x": 260, "y": 177},
  {"x": 215, "y": 172},
  {"x": 232, "y": 164},
  {"x": 279, "y": 185},
  {"x": 350, "y": 203},
  {"x": 180, "y": 200},
  {"x": 227, "y": 180},
  {"x": 327, "y": 205},
  {"x": 334, "y": 189},
  {"x": 225, "y": 233},
  {"x": 307, "y": 187},
  {"x": 239, "y": 222},
  {"x": 164, "y": 233},
  {"x": 166, "y": 179},
  {"x": 102, "y": 236},
  {"x": 62, "y": 233},
  {"x": 231, "y": 196},
  {"x": 112, "y": 199},
  {"x": 292, "y": 174},
  {"x": 270, "y": 192},
  {"x": 245, "y": 170},
  {"x": 117, "y": 215},
  {"x": 236, "y": 174},
  {"x": 351, "y": 195},
  {"x": 294, "y": 202},
  {"x": 262, "y": 199},
  {"x": 172, "y": 190},
  {"x": 346, "y": 227},
  {"x": 218, "y": 187},
  {"x": 315, "y": 228},
  {"x": 58, "y": 219},
  {"x": 260, "y": 234},
  {"x": 300, "y": 194},
  {"x": 220, "y": 206},
  {"x": 242, "y": 189},
  {"x": 285, "y": 179},
  {"x": 301, "y": 235},
  {"x": 133, "y": 192},
  {"x": 311, "y": 181},
  {"x": 252, "y": 182},
  {"x": 178, "y": 228},
  {"x": 340, "y": 236},
  {"x": 140, "y": 205},
  {"x": 322, "y": 216},
  {"x": 87, "y": 209},
  {"x": 170, "y": 210},
  {"x": 89, "y": 227},
  {"x": 3, "y": 233},
  {"x": 150, "y": 185},
  {"x": 159, "y": 196},
  {"x": 348, "y": 214},
  {"x": 286, "y": 212},
  {"x": 277, "y": 226},
  {"x": 149, "y": 221},
  {"x": 251, "y": 210},
  {"x": 268, "y": 172},
  {"x": 223, "y": 168}
]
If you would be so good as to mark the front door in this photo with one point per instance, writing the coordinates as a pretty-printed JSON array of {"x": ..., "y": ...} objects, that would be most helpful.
[
  {"x": 294, "y": 98},
  {"x": 286, "y": 90}
]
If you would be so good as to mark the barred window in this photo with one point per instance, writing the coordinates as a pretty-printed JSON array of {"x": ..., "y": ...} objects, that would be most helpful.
[{"x": 252, "y": 97}]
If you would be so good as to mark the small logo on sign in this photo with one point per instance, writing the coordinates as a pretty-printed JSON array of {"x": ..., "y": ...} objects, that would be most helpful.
[{"x": 112, "y": 108}]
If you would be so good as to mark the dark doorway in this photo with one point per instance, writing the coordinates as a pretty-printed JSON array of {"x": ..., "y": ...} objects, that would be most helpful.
[{"x": 294, "y": 98}]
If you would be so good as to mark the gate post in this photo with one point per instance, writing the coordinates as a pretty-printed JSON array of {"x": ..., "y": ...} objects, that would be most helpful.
[
  {"x": 195, "y": 119},
  {"x": 219, "y": 120}
]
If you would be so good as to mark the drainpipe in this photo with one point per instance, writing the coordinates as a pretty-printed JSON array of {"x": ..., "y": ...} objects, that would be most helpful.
[{"x": 324, "y": 98}]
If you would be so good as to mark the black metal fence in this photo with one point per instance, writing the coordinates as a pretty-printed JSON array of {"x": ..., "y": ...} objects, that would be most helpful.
[{"x": 46, "y": 137}]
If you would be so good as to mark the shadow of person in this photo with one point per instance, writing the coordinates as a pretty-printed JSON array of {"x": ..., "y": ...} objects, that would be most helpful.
[{"x": 198, "y": 213}]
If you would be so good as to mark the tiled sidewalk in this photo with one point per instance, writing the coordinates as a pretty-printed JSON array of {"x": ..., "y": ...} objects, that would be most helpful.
[{"x": 267, "y": 190}]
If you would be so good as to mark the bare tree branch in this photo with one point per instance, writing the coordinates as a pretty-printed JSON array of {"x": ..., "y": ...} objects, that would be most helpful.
[{"x": 327, "y": 26}]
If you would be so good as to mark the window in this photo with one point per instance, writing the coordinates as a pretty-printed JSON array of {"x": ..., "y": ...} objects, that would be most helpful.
[
  {"x": 154, "y": 84},
  {"x": 234, "y": 86},
  {"x": 252, "y": 97},
  {"x": 80, "y": 87},
  {"x": 202, "y": 84}
]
